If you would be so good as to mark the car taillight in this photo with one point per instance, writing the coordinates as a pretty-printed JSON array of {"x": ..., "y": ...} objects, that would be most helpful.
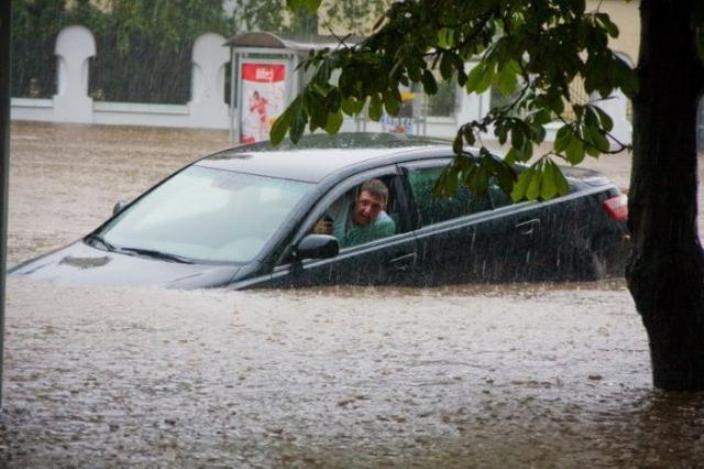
[{"x": 617, "y": 207}]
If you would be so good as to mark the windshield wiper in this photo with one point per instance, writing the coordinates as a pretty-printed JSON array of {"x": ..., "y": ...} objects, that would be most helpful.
[
  {"x": 96, "y": 237},
  {"x": 157, "y": 255}
]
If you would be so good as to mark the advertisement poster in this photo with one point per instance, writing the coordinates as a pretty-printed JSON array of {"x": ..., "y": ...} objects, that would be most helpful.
[{"x": 263, "y": 99}]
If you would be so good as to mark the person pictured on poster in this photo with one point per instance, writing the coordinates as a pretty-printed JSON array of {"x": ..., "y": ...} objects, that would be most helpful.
[
  {"x": 264, "y": 98},
  {"x": 258, "y": 105}
]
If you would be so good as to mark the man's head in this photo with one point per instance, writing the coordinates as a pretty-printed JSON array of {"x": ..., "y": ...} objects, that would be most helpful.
[{"x": 370, "y": 202}]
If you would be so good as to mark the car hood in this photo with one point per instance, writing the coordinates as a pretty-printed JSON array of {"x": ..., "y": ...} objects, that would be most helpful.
[{"x": 81, "y": 264}]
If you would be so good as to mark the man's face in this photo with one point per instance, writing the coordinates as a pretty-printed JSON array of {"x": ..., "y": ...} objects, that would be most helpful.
[{"x": 367, "y": 207}]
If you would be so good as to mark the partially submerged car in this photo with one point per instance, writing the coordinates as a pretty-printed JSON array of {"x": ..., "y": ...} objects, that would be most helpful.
[{"x": 244, "y": 217}]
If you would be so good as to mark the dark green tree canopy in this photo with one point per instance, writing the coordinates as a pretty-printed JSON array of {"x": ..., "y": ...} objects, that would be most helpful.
[{"x": 531, "y": 52}]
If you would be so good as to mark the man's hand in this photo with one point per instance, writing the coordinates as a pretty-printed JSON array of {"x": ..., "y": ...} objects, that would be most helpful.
[{"x": 323, "y": 226}]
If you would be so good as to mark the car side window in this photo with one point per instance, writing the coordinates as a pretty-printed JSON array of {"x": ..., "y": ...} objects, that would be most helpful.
[
  {"x": 365, "y": 213},
  {"x": 434, "y": 210}
]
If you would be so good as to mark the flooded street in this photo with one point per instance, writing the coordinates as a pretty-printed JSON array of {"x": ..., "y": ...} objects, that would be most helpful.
[{"x": 473, "y": 376}]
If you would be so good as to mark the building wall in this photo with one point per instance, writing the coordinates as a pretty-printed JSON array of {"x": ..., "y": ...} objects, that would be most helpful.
[{"x": 627, "y": 17}]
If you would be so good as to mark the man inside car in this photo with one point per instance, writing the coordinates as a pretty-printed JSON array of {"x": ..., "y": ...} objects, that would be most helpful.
[{"x": 359, "y": 221}]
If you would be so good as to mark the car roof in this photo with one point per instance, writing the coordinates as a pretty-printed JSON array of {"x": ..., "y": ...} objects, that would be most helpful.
[{"x": 316, "y": 156}]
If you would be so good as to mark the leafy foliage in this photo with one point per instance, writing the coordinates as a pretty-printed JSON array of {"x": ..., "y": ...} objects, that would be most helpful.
[
  {"x": 529, "y": 51},
  {"x": 307, "y": 18}
]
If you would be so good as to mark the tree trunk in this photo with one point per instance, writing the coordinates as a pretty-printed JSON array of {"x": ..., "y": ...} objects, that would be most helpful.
[{"x": 665, "y": 273}]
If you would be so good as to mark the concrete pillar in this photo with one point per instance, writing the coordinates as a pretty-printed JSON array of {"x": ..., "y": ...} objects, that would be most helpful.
[
  {"x": 75, "y": 45},
  {"x": 207, "y": 107}
]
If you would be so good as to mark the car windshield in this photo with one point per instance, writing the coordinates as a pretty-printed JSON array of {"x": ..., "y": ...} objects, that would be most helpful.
[{"x": 206, "y": 214}]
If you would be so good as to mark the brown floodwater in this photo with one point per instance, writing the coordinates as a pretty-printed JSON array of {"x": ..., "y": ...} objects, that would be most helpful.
[{"x": 529, "y": 375}]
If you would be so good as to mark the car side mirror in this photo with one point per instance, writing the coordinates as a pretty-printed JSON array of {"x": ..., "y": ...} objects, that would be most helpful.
[
  {"x": 119, "y": 206},
  {"x": 317, "y": 246}
]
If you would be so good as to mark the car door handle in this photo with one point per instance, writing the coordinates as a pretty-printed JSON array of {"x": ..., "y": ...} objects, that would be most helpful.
[
  {"x": 403, "y": 262},
  {"x": 528, "y": 227}
]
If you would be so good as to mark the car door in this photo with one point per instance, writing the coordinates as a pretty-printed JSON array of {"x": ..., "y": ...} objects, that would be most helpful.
[
  {"x": 469, "y": 237},
  {"x": 447, "y": 229},
  {"x": 390, "y": 260},
  {"x": 518, "y": 233}
]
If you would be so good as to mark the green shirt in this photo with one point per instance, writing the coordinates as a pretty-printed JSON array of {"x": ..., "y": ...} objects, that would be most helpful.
[{"x": 348, "y": 233}]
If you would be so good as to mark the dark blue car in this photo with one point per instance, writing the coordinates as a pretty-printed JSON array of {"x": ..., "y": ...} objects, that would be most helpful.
[{"x": 244, "y": 218}]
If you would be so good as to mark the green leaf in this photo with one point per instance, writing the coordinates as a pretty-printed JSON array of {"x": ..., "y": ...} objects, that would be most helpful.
[
  {"x": 514, "y": 155},
  {"x": 521, "y": 185},
  {"x": 479, "y": 181},
  {"x": 283, "y": 123},
  {"x": 538, "y": 132},
  {"x": 414, "y": 72},
  {"x": 563, "y": 187},
  {"x": 446, "y": 38},
  {"x": 298, "y": 125},
  {"x": 542, "y": 117},
  {"x": 452, "y": 182},
  {"x": 506, "y": 80},
  {"x": 598, "y": 139},
  {"x": 461, "y": 76},
  {"x": 392, "y": 103},
  {"x": 555, "y": 103},
  {"x": 309, "y": 5},
  {"x": 548, "y": 188},
  {"x": 606, "y": 122},
  {"x": 517, "y": 137},
  {"x": 469, "y": 136},
  {"x": 533, "y": 191},
  {"x": 429, "y": 84},
  {"x": 352, "y": 106},
  {"x": 474, "y": 78},
  {"x": 501, "y": 132},
  {"x": 334, "y": 100},
  {"x": 334, "y": 122},
  {"x": 486, "y": 79},
  {"x": 590, "y": 117},
  {"x": 575, "y": 150},
  {"x": 446, "y": 66},
  {"x": 375, "y": 108},
  {"x": 591, "y": 150},
  {"x": 629, "y": 82},
  {"x": 312, "y": 5},
  {"x": 316, "y": 110},
  {"x": 609, "y": 26},
  {"x": 505, "y": 176},
  {"x": 457, "y": 144},
  {"x": 447, "y": 183},
  {"x": 562, "y": 138}
]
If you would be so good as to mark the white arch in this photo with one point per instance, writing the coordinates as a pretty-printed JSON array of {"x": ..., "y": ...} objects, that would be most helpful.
[
  {"x": 207, "y": 105},
  {"x": 75, "y": 45}
]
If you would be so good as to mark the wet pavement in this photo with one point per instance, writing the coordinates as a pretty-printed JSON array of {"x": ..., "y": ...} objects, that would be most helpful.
[{"x": 471, "y": 376}]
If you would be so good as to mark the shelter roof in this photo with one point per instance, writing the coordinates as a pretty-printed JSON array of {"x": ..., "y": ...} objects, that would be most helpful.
[{"x": 266, "y": 40}]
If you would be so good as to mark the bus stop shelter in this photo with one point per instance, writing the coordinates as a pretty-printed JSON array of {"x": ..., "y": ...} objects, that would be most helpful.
[{"x": 264, "y": 79}]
